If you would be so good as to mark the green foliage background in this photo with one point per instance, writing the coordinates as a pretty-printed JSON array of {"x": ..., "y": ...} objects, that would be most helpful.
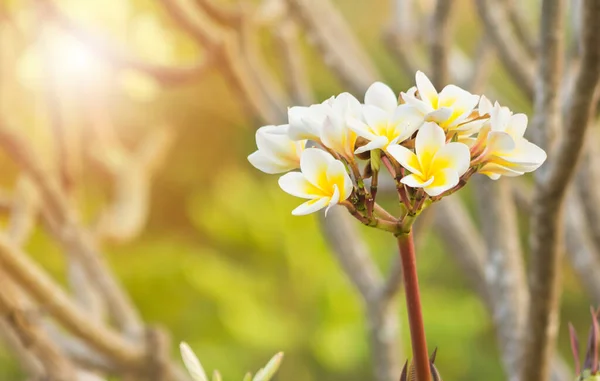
[{"x": 225, "y": 266}]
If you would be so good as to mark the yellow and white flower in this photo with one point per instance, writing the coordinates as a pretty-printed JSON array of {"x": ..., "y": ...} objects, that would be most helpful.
[
  {"x": 505, "y": 151},
  {"x": 451, "y": 109},
  {"x": 323, "y": 181},
  {"x": 326, "y": 123},
  {"x": 384, "y": 121},
  {"x": 435, "y": 166},
  {"x": 276, "y": 153}
]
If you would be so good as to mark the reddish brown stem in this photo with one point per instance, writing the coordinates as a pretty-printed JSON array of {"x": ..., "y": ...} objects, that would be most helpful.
[{"x": 413, "y": 305}]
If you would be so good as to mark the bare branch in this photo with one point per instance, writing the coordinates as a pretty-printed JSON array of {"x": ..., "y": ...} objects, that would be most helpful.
[
  {"x": 504, "y": 269},
  {"x": 73, "y": 238},
  {"x": 355, "y": 259},
  {"x": 24, "y": 211},
  {"x": 29, "y": 333},
  {"x": 516, "y": 62},
  {"x": 296, "y": 78},
  {"x": 580, "y": 249},
  {"x": 400, "y": 37},
  {"x": 586, "y": 186},
  {"x": 120, "y": 57},
  {"x": 482, "y": 64},
  {"x": 29, "y": 363},
  {"x": 45, "y": 291},
  {"x": 464, "y": 243},
  {"x": 467, "y": 247},
  {"x": 335, "y": 41},
  {"x": 440, "y": 38},
  {"x": 220, "y": 13},
  {"x": 546, "y": 232},
  {"x": 351, "y": 252},
  {"x": 226, "y": 52},
  {"x": 551, "y": 191},
  {"x": 126, "y": 216},
  {"x": 519, "y": 26}
]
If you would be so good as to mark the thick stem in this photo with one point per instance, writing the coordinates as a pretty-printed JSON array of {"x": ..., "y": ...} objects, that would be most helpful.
[{"x": 413, "y": 305}]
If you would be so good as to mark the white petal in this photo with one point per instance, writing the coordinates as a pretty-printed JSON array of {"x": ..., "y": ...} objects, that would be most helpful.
[
  {"x": 306, "y": 122},
  {"x": 382, "y": 96},
  {"x": 314, "y": 164},
  {"x": 440, "y": 115},
  {"x": 332, "y": 135},
  {"x": 338, "y": 177},
  {"x": 346, "y": 104},
  {"x": 500, "y": 118},
  {"x": 268, "y": 165},
  {"x": 405, "y": 157},
  {"x": 442, "y": 181},
  {"x": 311, "y": 206},
  {"x": 374, "y": 116},
  {"x": 296, "y": 184},
  {"x": 458, "y": 99},
  {"x": 500, "y": 142},
  {"x": 360, "y": 128},
  {"x": 426, "y": 90},
  {"x": 494, "y": 171},
  {"x": 415, "y": 181},
  {"x": 453, "y": 155},
  {"x": 424, "y": 107},
  {"x": 192, "y": 363},
  {"x": 526, "y": 154},
  {"x": 485, "y": 106},
  {"x": 430, "y": 139},
  {"x": 518, "y": 125},
  {"x": 493, "y": 176},
  {"x": 335, "y": 198},
  {"x": 275, "y": 143},
  {"x": 407, "y": 120},
  {"x": 379, "y": 142}
]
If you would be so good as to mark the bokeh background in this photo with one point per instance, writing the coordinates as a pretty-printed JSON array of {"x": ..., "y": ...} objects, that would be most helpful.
[{"x": 221, "y": 262}]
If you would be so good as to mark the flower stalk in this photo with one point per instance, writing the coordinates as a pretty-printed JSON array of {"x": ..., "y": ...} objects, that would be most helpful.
[{"x": 406, "y": 248}]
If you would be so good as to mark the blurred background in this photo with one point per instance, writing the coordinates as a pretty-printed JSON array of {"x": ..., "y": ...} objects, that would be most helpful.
[{"x": 218, "y": 259}]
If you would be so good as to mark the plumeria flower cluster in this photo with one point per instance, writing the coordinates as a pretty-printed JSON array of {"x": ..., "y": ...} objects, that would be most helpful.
[
  {"x": 197, "y": 372},
  {"x": 430, "y": 142}
]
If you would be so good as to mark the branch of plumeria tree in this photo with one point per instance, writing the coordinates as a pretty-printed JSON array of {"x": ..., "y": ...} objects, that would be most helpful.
[{"x": 429, "y": 142}]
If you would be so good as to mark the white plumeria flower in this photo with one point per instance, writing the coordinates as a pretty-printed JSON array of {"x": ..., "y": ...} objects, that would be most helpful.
[
  {"x": 192, "y": 363},
  {"x": 506, "y": 152},
  {"x": 335, "y": 133},
  {"x": 323, "y": 181},
  {"x": 307, "y": 122},
  {"x": 326, "y": 123},
  {"x": 451, "y": 109},
  {"x": 385, "y": 122},
  {"x": 435, "y": 166},
  {"x": 276, "y": 153}
]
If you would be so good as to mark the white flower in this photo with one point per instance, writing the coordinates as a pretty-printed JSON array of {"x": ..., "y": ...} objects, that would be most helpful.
[
  {"x": 192, "y": 363},
  {"x": 335, "y": 133},
  {"x": 276, "y": 153},
  {"x": 436, "y": 166},
  {"x": 323, "y": 181},
  {"x": 307, "y": 122},
  {"x": 506, "y": 152},
  {"x": 451, "y": 109},
  {"x": 385, "y": 122},
  {"x": 326, "y": 124}
]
